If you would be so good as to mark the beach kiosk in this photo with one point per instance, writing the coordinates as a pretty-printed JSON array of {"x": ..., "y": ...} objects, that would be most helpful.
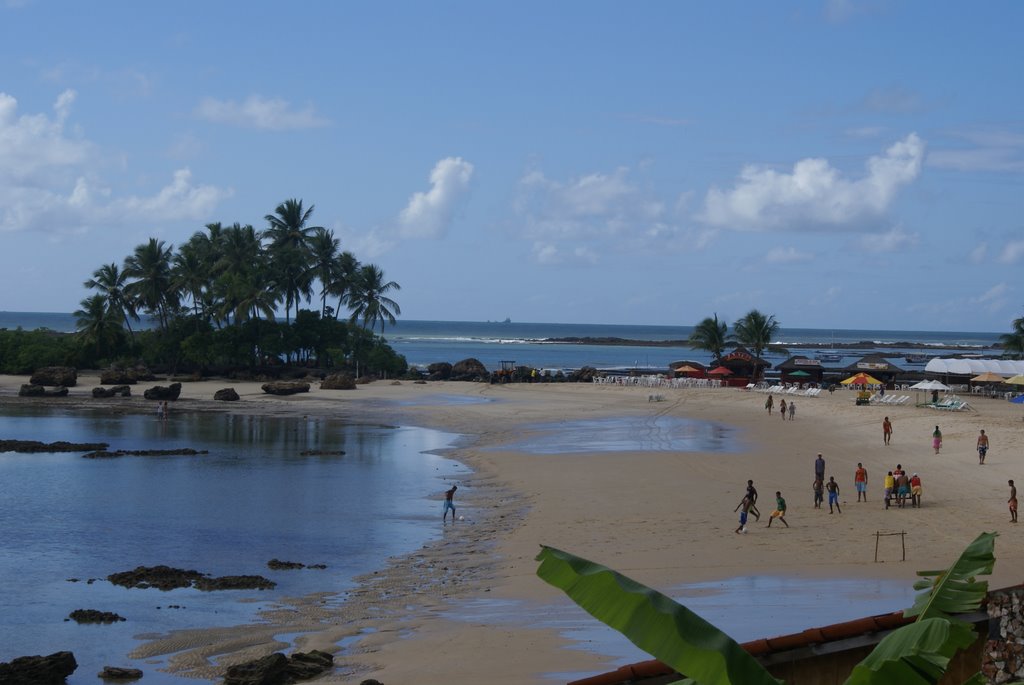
[
  {"x": 745, "y": 367},
  {"x": 801, "y": 369},
  {"x": 875, "y": 365}
]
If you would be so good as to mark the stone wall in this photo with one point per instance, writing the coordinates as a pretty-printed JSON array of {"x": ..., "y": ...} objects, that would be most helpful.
[{"x": 1003, "y": 658}]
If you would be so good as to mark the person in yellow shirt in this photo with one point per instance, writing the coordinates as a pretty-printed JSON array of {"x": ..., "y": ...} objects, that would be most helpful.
[{"x": 890, "y": 484}]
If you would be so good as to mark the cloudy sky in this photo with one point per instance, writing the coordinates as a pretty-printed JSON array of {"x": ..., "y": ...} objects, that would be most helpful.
[{"x": 840, "y": 164}]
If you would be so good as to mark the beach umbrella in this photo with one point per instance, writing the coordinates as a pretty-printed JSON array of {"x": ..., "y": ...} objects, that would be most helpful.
[
  {"x": 720, "y": 371},
  {"x": 1016, "y": 380},
  {"x": 929, "y": 385},
  {"x": 861, "y": 379},
  {"x": 799, "y": 372},
  {"x": 987, "y": 377},
  {"x": 686, "y": 368}
]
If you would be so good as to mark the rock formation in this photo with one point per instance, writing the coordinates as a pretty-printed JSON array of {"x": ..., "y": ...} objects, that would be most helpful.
[
  {"x": 163, "y": 393},
  {"x": 275, "y": 669},
  {"x": 226, "y": 395},
  {"x": 469, "y": 370},
  {"x": 285, "y": 387},
  {"x": 38, "y": 670},
  {"x": 338, "y": 381},
  {"x": 117, "y": 390},
  {"x": 65, "y": 376}
]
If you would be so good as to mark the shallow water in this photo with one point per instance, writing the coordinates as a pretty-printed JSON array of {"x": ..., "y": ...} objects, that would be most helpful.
[
  {"x": 630, "y": 434},
  {"x": 746, "y": 608},
  {"x": 252, "y": 498}
]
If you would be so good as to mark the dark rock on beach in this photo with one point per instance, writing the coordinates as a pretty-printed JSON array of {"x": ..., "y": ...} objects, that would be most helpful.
[
  {"x": 35, "y": 390},
  {"x": 38, "y": 670},
  {"x": 125, "y": 375},
  {"x": 65, "y": 376},
  {"x": 338, "y": 381},
  {"x": 439, "y": 371},
  {"x": 163, "y": 393},
  {"x": 277, "y": 669},
  {"x": 115, "y": 391},
  {"x": 183, "y": 452},
  {"x": 34, "y": 446},
  {"x": 278, "y": 565},
  {"x": 93, "y": 616},
  {"x": 226, "y": 395},
  {"x": 118, "y": 673},
  {"x": 285, "y": 387},
  {"x": 234, "y": 583},
  {"x": 322, "y": 453},
  {"x": 469, "y": 370}
]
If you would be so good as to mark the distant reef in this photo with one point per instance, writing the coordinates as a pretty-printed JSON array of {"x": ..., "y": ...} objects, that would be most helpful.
[{"x": 862, "y": 345}]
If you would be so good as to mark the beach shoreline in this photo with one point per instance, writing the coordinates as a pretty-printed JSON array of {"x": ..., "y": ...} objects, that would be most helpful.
[{"x": 663, "y": 517}]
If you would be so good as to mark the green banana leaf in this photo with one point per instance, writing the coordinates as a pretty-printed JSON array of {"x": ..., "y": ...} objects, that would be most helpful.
[
  {"x": 955, "y": 590},
  {"x": 916, "y": 654},
  {"x": 653, "y": 622}
]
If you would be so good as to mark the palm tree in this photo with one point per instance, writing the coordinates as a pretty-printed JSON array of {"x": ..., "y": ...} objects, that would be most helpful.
[
  {"x": 111, "y": 282},
  {"x": 1013, "y": 343},
  {"x": 190, "y": 275},
  {"x": 368, "y": 298},
  {"x": 289, "y": 238},
  {"x": 150, "y": 266},
  {"x": 323, "y": 248},
  {"x": 288, "y": 225},
  {"x": 711, "y": 335},
  {"x": 755, "y": 330},
  {"x": 345, "y": 271},
  {"x": 99, "y": 324}
]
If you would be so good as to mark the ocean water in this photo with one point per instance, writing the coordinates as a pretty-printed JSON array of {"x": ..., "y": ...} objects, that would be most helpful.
[
  {"x": 531, "y": 344},
  {"x": 254, "y": 497}
]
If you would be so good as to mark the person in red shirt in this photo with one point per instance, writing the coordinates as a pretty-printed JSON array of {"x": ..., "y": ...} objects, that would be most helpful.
[
  {"x": 915, "y": 490},
  {"x": 860, "y": 481}
]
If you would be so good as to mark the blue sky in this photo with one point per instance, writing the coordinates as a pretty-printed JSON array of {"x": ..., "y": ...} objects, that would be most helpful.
[{"x": 839, "y": 164}]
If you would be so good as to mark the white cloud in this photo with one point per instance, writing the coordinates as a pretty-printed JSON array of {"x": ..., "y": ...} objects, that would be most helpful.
[
  {"x": 259, "y": 112},
  {"x": 1012, "y": 252},
  {"x": 429, "y": 213},
  {"x": 893, "y": 240},
  {"x": 49, "y": 181},
  {"x": 787, "y": 255},
  {"x": 545, "y": 253},
  {"x": 978, "y": 254},
  {"x": 815, "y": 195}
]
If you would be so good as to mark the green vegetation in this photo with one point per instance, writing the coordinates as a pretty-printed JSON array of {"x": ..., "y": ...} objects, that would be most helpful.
[
  {"x": 916, "y": 654},
  {"x": 213, "y": 301},
  {"x": 711, "y": 335},
  {"x": 1013, "y": 342}
]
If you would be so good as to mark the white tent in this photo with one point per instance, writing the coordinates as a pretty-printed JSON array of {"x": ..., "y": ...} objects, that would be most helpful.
[
  {"x": 973, "y": 367},
  {"x": 929, "y": 385}
]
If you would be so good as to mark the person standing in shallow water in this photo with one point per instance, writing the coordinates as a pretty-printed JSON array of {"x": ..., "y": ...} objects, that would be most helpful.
[{"x": 449, "y": 496}]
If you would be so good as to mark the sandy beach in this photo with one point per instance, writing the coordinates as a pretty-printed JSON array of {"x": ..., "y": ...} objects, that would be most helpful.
[{"x": 662, "y": 517}]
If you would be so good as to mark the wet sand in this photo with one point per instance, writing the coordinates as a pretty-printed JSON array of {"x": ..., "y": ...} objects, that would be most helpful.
[{"x": 662, "y": 516}]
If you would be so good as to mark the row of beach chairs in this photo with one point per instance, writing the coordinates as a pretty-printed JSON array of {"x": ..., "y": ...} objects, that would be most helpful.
[
  {"x": 950, "y": 403},
  {"x": 889, "y": 399},
  {"x": 781, "y": 389},
  {"x": 658, "y": 382}
]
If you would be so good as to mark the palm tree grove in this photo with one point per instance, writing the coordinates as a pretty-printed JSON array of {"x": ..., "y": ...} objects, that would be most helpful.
[{"x": 211, "y": 304}]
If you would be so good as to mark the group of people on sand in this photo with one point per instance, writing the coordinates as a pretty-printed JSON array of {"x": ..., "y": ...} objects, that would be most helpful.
[
  {"x": 748, "y": 505},
  {"x": 784, "y": 408}
]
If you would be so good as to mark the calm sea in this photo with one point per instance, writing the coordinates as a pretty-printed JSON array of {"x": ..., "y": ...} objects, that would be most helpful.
[
  {"x": 530, "y": 344},
  {"x": 254, "y": 497}
]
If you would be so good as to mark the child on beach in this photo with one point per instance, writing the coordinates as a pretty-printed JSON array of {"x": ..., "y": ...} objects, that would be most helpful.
[
  {"x": 744, "y": 507},
  {"x": 752, "y": 494},
  {"x": 780, "y": 510},
  {"x": 1012, "y": 502},
  {"x": 937, "y": 439},
  {"x": 792, "y": 410},
  {"x": 449, "y": 495},
  {"x": 886, "y": 430},
  {"x": 768, "y": 404},
  {"x": 782, "y": 408},
  {"x": 819, "y": 492},
  {"x": 890, "y": 483}
]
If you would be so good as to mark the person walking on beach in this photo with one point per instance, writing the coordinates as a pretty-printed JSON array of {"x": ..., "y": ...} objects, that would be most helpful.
[
  {"x": 744, "y": 507},
  {"x": 982, "y": 447},
  {"x": 937, "y": 439},
  {"x": 792, "y": 410},
  {"x": 886, "y": 430},
  {"x": 819, "y": 467},
  {"x": 819, "y": 492},
  {"x": 449, "y": 495},
  {"x": 768, "y": 404},
  {"x": 833, "y": 494},
  {"x": 780, "y": 510},
  {"x": 860, "y": 482},
  {"x": 1012, "y": 502},
  {"x": 782, "y": 408}
]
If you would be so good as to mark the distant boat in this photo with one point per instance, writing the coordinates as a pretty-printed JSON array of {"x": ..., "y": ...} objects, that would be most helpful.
[
  {"x": 916, "y": 358},
  {"x": 507, "y": 320},
  {"x": 829, "y": 357}
]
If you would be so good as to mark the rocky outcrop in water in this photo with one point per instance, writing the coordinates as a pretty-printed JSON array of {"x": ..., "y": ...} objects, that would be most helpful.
[
  {"x": 93, "y": 616},
  {"x": 338, "y": 381},
  {"x": 168, "y": 578},
  {"x": 118, "y": 673},
  {"x": 105, "y": 454},
  {"x": 277, "y": 669},
  {"x": 285, "y": 387},
  {"x": 115, "y": 391},
  {"x": 34, "y": 446},
  {"x": 167, "y": 393},
  {"x": 226, "y": 395},
  {"x": 38, "y": 670},
  {"x": 278, "y": 565},
  {"x": 35, "y": 390},
  {"x": 65, "y": 376}
]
